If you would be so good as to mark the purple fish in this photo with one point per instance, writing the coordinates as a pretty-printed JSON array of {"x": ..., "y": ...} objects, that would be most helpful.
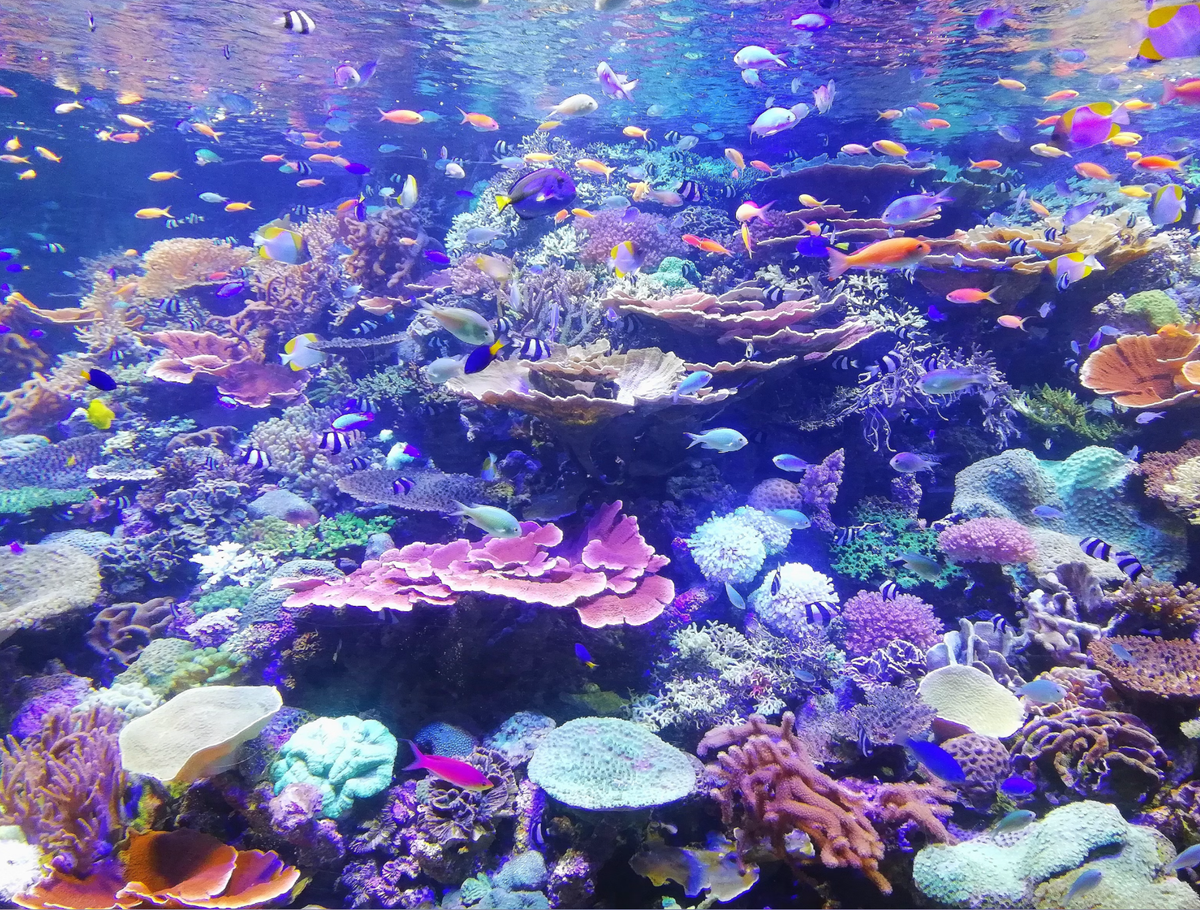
[
  {"x": 366, "y": 71},
  {"x": 464, "y": 194},
  {"x": 13, "y": 267},
  {"x": 4, "y": 330},
  {"x": 437, "y": 257},
  {"x": 631, "y": 214},
  {"x": 812, "y": 246},
  {"x": 541, "y": 192},
  {"x": 357, "y": 169},
  {"x": 35, "y": 334},
  {"x": 15, "y": 548},
  {"x": 584, "y": 657},
  {"x": 934, "y": 314},
  {"x": 232, "y": 289},
  {"x": 990, "y": 18},
  {"x": 5, "y": 256},
  {"x": 1009, "y": 134},
  {"x": 1018, "y": 787},
  {"x": 1077, "y": 213},
  {"x": 112, "y": 273},
  {"x": 1096, "y": 340}
]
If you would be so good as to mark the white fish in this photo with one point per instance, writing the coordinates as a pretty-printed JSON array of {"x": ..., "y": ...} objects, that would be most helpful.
[
  {"x": 454, "y": 169},
  {"x": 575, "y": 106},
  {"x": 752, "y": 56},
  {"x": 408, "y": 196},
  {"x": 773, "y": 120},
  {"x": 298, "y": 355},
  {"x": 721, "y": 440}
]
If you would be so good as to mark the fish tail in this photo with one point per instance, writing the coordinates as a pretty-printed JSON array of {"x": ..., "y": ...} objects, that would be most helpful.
[
  {"x": 418, "y": 761},
  {"x": 503, "y": 202},
  {"x": 695, "y": 440},
  {"x": 838, "y": 263}
]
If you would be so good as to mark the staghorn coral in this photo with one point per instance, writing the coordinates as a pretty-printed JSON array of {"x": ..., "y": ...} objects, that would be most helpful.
[
  {"x": 1094, "y": 753},
  {"x": 768, "y": 786},
  {"x": 64, "y": 787}
]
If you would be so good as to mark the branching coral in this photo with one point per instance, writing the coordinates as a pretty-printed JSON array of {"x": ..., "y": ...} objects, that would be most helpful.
[
  {"x": 1059, "y": 411},
  {"x": 768, "y": 786},
  {"x": 64, "y": 787},
  {"x": 872, "y": 621},
  {"x": 183, "y": 262}
]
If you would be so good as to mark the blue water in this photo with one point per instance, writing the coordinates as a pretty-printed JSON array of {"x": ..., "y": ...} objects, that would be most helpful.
[{"x": 743, "y": 488}]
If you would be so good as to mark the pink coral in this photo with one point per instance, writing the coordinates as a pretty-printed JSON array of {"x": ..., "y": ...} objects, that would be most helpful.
[
  {"x": 237, "y": 368},
  {"x": 872, "y": 622},
  {"x": 998, "y": 540},
  {"x": 608, "y": 576},
  {"x": 608, "y": 228}
]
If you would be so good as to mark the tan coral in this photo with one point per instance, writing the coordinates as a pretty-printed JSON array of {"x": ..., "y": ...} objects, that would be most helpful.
[
  {"x": 43, "y": 585},
  {"x": 1143, "y": 371},
  {"x": 184, "y": 262}
]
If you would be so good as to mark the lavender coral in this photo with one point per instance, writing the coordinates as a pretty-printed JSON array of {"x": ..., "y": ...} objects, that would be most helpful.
[
  {"x": 999, "y": 540},
  {"x": 873, "y": 621}
]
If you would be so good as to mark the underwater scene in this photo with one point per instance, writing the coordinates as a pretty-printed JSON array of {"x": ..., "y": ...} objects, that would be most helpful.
[{"x": 600, "y": 453}]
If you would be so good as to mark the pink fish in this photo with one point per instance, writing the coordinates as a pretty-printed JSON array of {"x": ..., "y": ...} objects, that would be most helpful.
[{"x": 452, "y": 770}]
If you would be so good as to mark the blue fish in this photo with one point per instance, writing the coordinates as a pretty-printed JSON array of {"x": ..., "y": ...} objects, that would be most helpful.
[
  {"x": 1044, "y": 691},
  {"x": 1122, "y": 653},
  {"x": 734, "y": 597},
  {"x": 1083, "y": 883},
  {"x": 1077, "y": 213},
  {"x": 1185, "y": 860},
  {"x": 937, "y": 761},
  {"x": 232, "y": 289},
  {"x": 1014, "y": 821},
  {"x": 353, "y": 420},
  {"x": 437, "y": 257},
  {"x": 812, "y": 245},
  {"x": 1047, "y": 512},
  {"x": 584, "y": 657},
  {"x": 1018, "y": 787}
]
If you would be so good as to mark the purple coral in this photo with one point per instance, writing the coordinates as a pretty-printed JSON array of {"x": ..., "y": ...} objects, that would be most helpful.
[
  {"x": 872, "y": 622},
  {"x": 819, "y": 488},
  {"x": 996, "y": 540},
  {"x": 652, "y": 235}
]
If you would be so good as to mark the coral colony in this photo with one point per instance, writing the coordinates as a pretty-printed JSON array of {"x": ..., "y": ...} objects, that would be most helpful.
[{"x": 762, "y": 473}]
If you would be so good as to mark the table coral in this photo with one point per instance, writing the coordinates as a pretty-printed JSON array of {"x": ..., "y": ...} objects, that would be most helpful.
[
  {"x": 973, "y": 699},
  {"x": 1143, "y": 371},
  {"x": 768, "y": 786},
  {"x": 602, "y": 763}
]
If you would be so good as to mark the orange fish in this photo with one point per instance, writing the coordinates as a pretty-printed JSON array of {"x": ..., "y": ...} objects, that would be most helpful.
[
  {"x": 711, "y": 246},
  {"x": 1013, "y": 322},
  {"x": 6, "y": 92},
  {"x": 125, "y": 137},
  {"x": 746, "y": 240},
  {"x": 890, "y": 114},
  {"x": 691, "y": 240},
  {"x": 205, "y": 130},
  {"x": 481, "y": 122},
  {"x": 136, "y": 122},
  {"x": 636, "y": 132},
  {"x": 408, "y": 118},
  {"x": 762, "y": 166},
  {"x": 1038, "y": 209},
  {"x": 582, "y": 213},
  {"x": 1049, "y": 121},
  {"x": 1125, "y": 140},
  {"x": 1132, "y": 156},
  {"x": 970, "y": 295},
  {"x": 928, "y": 106},
  {"x": 561, "y": 216},
  {"x": 308, "y": 182},
  {"x": 1159, "y": 163},
  {"x": 1012, "y": 84},
  {"x": 548, "y": 126},
  {"x": 1136, "y": 104},
  {"x": 893, "y": 253},
  {"x": 239, "y": 207},
  {"x": 313, "y": 144},
  {"x": 1065, "y": 94},
  {"x": 1094, "y": 171},
  {"x": 339, "y": 161},
  {"x": 987, "y": 164},
  {"x": 320, "y": 158},
  {"x": 935, "y": 123}
]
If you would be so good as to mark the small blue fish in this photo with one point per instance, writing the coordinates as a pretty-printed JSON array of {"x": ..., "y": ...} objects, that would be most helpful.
[
  {"x": 722, "y": 439},
  {"x": 1047, "y": 512},
  {"x": 353, "y": 420},
  {"x": 464, "y": 194},
  {"x": 790, "y": 463},
  {"x": 791, "y": 518},
  {"x": 804, "y": 676},
  {"x": 1014, "y": 821},
  {"x": 1149, "y": 416},
  {"x": 692, "y": 383},
  {"x": 911, "y": 463},
  {"x": 937, "y": 760},
  {"x": 935, "y": 315},
  {"x": 1122, "y": 653},
  {"x": 35, "y": 334},
  {"x": 1018, "y": 787},
  {"x": 1077, "y": 213},
  {"x": 1083, "y": 883},
  {"x": 584, "y": 657},
  {"x": 734, "y": 597},
  {"x": 1044, "y": 691},
  {"x": 1185, "y": 860},
  {"x": 232, "y": 289}
]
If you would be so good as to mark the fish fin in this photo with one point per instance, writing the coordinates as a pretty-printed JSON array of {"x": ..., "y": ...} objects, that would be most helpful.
[
  {"x": 839, "y": 262},
  {"x": 418, "y": 761},
  {"x": 503, "y": 202},
  {"x": 695, "y": 440}
]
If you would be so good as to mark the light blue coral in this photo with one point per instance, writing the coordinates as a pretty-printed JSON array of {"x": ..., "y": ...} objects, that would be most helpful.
[
  {"x": 1092, "y": 488},
  {"x": 1036, "y": 866},
  {"x": 345, "y": 758}
]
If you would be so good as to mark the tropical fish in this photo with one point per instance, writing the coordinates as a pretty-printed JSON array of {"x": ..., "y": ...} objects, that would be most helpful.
[
  {"x": 280, "y": 242},
  {"x": 692, "y": 383},
  {"x": 297, "y": 21},
  {"x": 584, "y": 657},
  {"x": 947, "y": 380},
  {"x": 299, "y": 355},
  {"x": 937, "y": 760},
  {"x": 491, "y": 519},
  {"x": 541, "y": 192},
  {"x": 791, "y": 518},
  {"x": 911, "y": 463},
  {"x": 1083, "y": 883},
  {"x": 1043, "y": 691},
  {"x": 1171, "y": 30},
  {"x": 624, "y": 259},
  {"x": 734, "y": 597},
  {"x": 920, "y": 565},
  {"x": 480, "y": 358},
  {"x": 99, "y": 414},
  {"x": 970, "y": 295},
  {"x": 481, "y": 122},
  {"x": 1089, "y": 124},
  {"x": 1185, "y": 860},
  {"x": 1014, "y": 821},
  {"x": 790, "y": 463},
  {"x": 452, "y": 770},
  {"x": 915, "y": 208},
  {"x": 1168, "y": 205},
  {"x": 722, "y": 440},
  {"x": 754, "y": 56},
  {"x": 1017, "y": 787},
  {"x": 574, "y": 106}
]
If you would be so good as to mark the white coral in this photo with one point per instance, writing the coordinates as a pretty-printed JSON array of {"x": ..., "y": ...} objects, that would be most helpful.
[
  {"x": 786, "y": 611},
  {"x": 226, "y": 561}
]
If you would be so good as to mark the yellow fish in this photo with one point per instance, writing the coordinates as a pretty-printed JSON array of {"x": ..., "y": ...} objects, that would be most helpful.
[
  {"x": 1136, "y": 192},
  {"x": 1013, "y": 84},
  {"x": 67, "y": 106},
  {"x": 549, "y": 125},
  {"x": 811, "y": 202},
  {"x": 128, "y": 98},
  {"x": 136, "y": 122},
  {"x": 160, "y": 176},
  {"x": 599, "y": 168},
  {"x": 889, "y": 147},
  {"x": 47, "y": 154},
  {"x": 13, "y": 145},
  {"x": 27, "y": 175},
  {"x": 153, "y": 213},
  {"x": 538, "y": 158},
  {"x": 239, "y": 207},
  {"x": 100, "y": 415}
]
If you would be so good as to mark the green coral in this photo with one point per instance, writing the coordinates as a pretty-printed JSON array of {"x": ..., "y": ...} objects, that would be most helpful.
[
  {"x": 24, "y": 500},
  {"x": 273, "y": 537},
  {"x": 234, "y": 596},
  {"x": 345, "y": 758},
  {"x": 1060, "y": 412},
  {"x": 674, "y": 272},
  {"x": 874, "y": 554},
  {"x": 1157, "y": 306},
  {"x": 170, "y": 665}
]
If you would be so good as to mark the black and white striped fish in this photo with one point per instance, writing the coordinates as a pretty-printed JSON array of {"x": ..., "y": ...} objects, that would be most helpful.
[
  {"x": 255, "y": 458},
  {"x": 1019, "y": 246},
  {"x": 1129, "y": 564},
  {"x": 849, "y": 535},
  {"x": 1050, "y": 234},
  {"x": 776, "y": 294},
  {"x": 843, "y": 362},
  {"x": 776, "y": 583},
  {"x": 672, "y": 136},
  {"x": 690, "y": 191},
  {"x": 303, "y": 168},
  {"x": 505, "y": 325},
  {"x": 401, "y": 486},
  {"x": 1095, "y": 547},
  {"x": 501, "y": 148},
  {"x": 358, "y": 463},
  {"x": 333, "y": 441},
  {"x": 891, "y": 361},
  {"x": 905, "y": 332},
  {"x": 823, "y": 607},
  {"x": 121, "y": 501},
  {"x": 298, "y": 21},
  {"x": 534, "y": 349},
  {"x": 930, "y": 363},
  {"x": 999, "y": 623},
  {"x": 889, "y": 590},
  {"x": 729, "y": 192},
  {"x": 301, "y": 211},
  {"x": 172, "y": 306}
]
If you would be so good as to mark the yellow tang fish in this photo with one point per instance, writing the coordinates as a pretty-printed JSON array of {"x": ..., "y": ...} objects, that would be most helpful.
[{"x": 100, "y": 415}]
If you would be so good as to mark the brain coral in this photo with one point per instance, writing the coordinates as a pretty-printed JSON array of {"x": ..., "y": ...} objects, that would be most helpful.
[
  {"x": 873, "y": 622},
  {"x": 984, "y": 760},
  {"x": 786, "y": 612},
  {"x": 728, "y": 549},
  {"x": 346, "y": 758},
  {"x": 606, "y": 763}
]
